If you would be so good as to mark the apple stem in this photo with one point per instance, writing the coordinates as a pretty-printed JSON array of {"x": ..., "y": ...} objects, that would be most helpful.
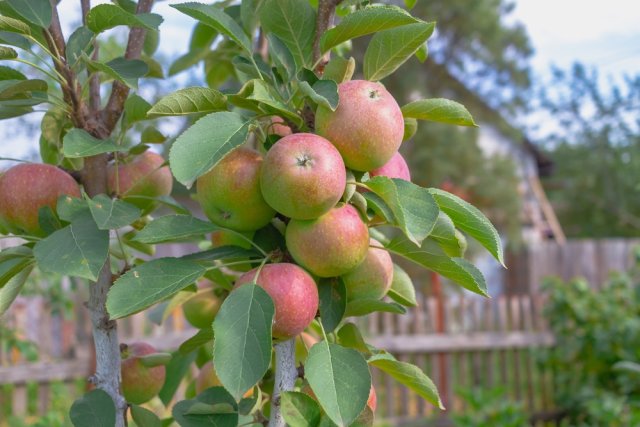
[{"x": 286, "y": 374}]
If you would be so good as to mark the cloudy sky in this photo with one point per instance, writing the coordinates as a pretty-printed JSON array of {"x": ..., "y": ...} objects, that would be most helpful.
[{"x": 601, "y": 34}]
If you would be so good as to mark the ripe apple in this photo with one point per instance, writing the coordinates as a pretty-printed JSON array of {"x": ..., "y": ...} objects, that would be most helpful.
[
  {"x": 230, "y": 192},
  {"x": 294, "y": 295},
  {"x": 367, "y": 127},
  {"x": 142, "y": 176},
  {"x": 201, "y": 309},
  {"x": 26, "y": 188},
  {"x": 140, "y": 382},
  {"x": 395, "y": 168},
  {"x": 331, "y": 245},
  {"x": 279, "y": 127},
  {"x": 303, "y": 176},
  {"x": 373, "y": 277}
]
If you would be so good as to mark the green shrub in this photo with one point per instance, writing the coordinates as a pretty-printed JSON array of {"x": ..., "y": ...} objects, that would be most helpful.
[{"x": 490, "y": 408}]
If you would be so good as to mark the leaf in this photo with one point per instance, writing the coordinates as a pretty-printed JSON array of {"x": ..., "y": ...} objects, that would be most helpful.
[
  {"x": 14, "y": 39},
  {"x": 110, "y": 214},
  {"x": 174, "y": 227},
  {"x": 135, "y": 109},
  {"x": 323, "y": 92},
  {"x": 242, "y": 348},
  {"x": 282, "y": 57},
  {"x": 349, "y": 336},
  {"x": 402, "y": 290},
  {"x": 205, "y": 143},
  {"x": 11, "y": 266},
  {"x": 299, "y": 409},
  {"x": 176, "y": 370},
  {"x": 80, "y": 42},
  {"x": 410, "y": 128},
  {"x": 94, "y": 409},
  {"x": 105, "y": 16},
  {"x": 293, "y": 22},
  {"x": 189, "y": 101},
  {"x": 38, "y": 12},
  {"x": 7, "y": 53},
  {"x": 144, "y": 417},
  {"x": 409, "y": 375},
  {"x": 340, "y": 379},
  {"x": 222, "y": 252},
  {"x": 127, "y": 71},
  {"x": 364, "y": 306},
  {"x": 214, "y": 17},
  {"x": 414, "y": 209},
  {"x": 368, "y": 20},
  {"x": 69, "y": 208},
  {"x": 444, "y": 232},
  {"x": 80, "y": 249},
  {"x": 202, "y": 337},
  {"x": 438, "y": 110},
  {"x": 339, "y": 69},
  {"x": 11, "y": 88},
  {"x": 8, "y": 73},
  {"x": 211, "y": 408},
  {"x": 151, "y": 135},
  {"x": 469, "y": 219},
  {"x": 11, "y": 289},
  {"x": 389, "y": 49},
  {"x": 333, "y": 302},
  {"x": 258, "y": 96},
  {"x": 249, "y": 11},
  {"x": 149, "y": 283},
  {"x": 431, "y": 256},
  {"x": 14, "y": 26},
  {"x": 79, "y": 143}
]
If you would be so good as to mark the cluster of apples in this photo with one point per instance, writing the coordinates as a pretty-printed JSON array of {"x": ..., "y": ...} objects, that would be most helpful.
[
  {"x": 302, "y": 179},
  {"x": 28, "y": 187}
]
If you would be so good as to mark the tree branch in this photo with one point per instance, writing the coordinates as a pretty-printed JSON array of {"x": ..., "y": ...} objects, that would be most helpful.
[
  {"x": 94, "y": 80},
  {"x": 324, "y": 21},
  {"x": 120, "y": 91},
  {"x": 286, "y": 374}
]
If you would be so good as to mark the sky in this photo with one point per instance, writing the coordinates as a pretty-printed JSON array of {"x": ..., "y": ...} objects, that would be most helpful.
[{"x": 605, "y": 35}]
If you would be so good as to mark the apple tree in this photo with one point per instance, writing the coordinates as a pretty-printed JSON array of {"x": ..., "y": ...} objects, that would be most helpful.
[{"x": 296, "y": 167}]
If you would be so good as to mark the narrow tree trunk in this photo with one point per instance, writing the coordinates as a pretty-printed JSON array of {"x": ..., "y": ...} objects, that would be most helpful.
[{"x": 286, "y": 374}]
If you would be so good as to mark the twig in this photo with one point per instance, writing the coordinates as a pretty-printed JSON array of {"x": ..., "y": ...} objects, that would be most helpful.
[
  {"x": 94, "y": 81},
  {"x": 286, "y": 374},
  {"x": 324, "y": 21}
]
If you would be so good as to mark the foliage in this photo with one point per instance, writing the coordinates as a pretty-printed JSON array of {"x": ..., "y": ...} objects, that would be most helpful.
[
  {"x": 591, "y": 126},
  {"x": 107, "y": 235},
  {"x": 487, "y": 408},
  {"x": 595, "y": 330}
]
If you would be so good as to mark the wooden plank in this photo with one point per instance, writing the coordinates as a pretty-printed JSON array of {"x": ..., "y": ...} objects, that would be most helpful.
[
  {"x": 19, "y": 400},
  {"x": 44, "y": 396},
  {"x": 45, "y": 372}
]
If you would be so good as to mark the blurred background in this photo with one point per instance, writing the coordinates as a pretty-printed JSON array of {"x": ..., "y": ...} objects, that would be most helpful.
[{"x": 554, "y": 163}]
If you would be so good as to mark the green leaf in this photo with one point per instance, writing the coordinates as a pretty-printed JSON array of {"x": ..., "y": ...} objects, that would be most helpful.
[
  {"x": 409, "y": 375},
  {"x": 299, "y": 409},
  {"x": 80, "y": 249},
  {"x": 14, "y": 39},
  {"x": 94, "y": 409},
  {"x": 144, "y": 417},
  {"x": 242, "y": 347},
  {"x": 127, "y": 71},
  {"x": 105, "y": 16},
  {"x": 69, "y": 208},
  {"x": 176, "y": 370},
  {"x": 220, "y": 253},
  {"x": 213, "y": 407},
  {"x": 14, "y": 26},
  {"x": 389, "y": 49},
  {"x": 368, "y": 20},
  {"x": 135, "y": 109},
  {"x": 402, "y": 290},
  {"x": 258, "y": 96},
  {"x": 79, "y": 143},
  {"x": 80, "y": 42},
  {"x": 8, "y": 73},
  {"x": 410, "y": 128},
  {"x": 174, "y": 227},
  {"x": 339, "y": 69},
  {"x": 282, "y": 57},
  {"x": 438, "y": 110},
  {"x": 151, "y": 135},
  {"x": 110, "y": 214},
  {"x": 333, "y": 302},
  {"x": 149, "y": 283},
  {"x": 38, "y": 12},
  {"x": 431, "y": 256},
  {"x": 414, "y": 209},
  {"x": 11, "y": 88},
  {"x": 364, "y": 306},
  {"x": 11, "y": 266},
  {"x": 469, "y": 219},
  {"x": 7, "y": 53},
  {"x": 377, "y": 205},
  {"x": 293, "y": 22},
  {"x": 202, "y": 337},
  {"x": 422, "y": 53},
  {"x": 444, "y": 232},
  {"x": 323, "y": 92},
  {"x": 205, "y": 143},
  {"x": 340, "y": 379},
  {"x": 189, "y": 101},
  {"x": 349, "y": 336},
  {"x": 11, "y": 289},
  {"x": 214, "y": 17},
  {"x": 249, "y": 12}
]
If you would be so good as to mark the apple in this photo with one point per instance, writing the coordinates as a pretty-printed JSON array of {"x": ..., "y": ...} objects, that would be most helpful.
[
  {"x": 26, "y": 188},
  {"x": 140, "y": 383},
  {"x": 395, "y": 168},
  {"x": 303, "y": 176},
  {"x": 372, "y": 278},
  {"x": 294, "y": 294},
  {"x": 145, "y": 176},
  {"x": 367, "y": 127},
  {"x": 279, "y": 127},
  {"x": 230, "y": 192},
  {"x": 201, "y": 309},
  {"x": 331, "y": 245}
]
